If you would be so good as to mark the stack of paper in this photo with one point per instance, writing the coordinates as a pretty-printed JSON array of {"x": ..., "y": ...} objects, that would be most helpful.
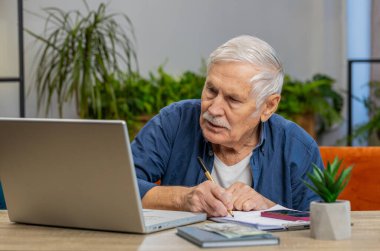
[{"x": 253, "y": 218}]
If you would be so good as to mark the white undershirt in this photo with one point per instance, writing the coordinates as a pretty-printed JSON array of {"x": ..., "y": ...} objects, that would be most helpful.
[{"x": 227, "y": 175}]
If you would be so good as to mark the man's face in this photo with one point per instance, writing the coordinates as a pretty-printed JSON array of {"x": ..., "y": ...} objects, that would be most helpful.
[{"x": 227, "y": 106}]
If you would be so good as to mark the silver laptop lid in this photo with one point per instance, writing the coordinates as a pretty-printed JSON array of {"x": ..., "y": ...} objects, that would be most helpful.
[{"x": 72, "y": 173}]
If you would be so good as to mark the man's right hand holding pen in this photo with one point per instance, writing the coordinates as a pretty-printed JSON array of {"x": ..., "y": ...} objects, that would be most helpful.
[
  {"x": 209, "y": 177},
  {"x": 210, "y": 198},
  {"x": 216, "y": 201}
]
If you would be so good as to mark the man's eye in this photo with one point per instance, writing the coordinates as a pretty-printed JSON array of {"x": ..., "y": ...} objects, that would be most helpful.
[
  {"x": 234, "y": 100},
  {"x": 211, "y": 90}
]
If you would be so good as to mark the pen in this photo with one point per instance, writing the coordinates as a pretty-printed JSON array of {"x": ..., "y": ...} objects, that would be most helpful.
[{"x": 209, "y": 177}]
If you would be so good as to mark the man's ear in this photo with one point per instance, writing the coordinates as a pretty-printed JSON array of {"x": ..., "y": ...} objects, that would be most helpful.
[{"x": 270, "y": 106}]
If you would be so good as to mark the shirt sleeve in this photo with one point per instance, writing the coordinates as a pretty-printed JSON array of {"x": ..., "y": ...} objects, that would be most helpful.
[
  {"x": 151, "y": 149},
  {"x": 302, "y": 195}
]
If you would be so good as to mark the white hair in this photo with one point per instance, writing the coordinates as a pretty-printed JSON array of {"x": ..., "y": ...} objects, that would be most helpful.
[{"x": 258, "y": 53}]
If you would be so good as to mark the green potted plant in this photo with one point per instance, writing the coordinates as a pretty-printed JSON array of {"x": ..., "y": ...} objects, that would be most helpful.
[
  {"x": 312, "y": 104},
  {"x": 330, "y": 218},
  {"x": 83, "y": 57}
]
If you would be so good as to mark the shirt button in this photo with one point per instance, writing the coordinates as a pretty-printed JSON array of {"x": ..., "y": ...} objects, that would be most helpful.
[{"x": 210, "y": 153}]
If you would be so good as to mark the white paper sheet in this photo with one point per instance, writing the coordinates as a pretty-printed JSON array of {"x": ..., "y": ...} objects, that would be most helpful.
[{"x": 263, "y": 223}]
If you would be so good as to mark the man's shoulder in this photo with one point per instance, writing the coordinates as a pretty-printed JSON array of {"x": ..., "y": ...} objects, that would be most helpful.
[
  {"x": 289, "y": 131},
  {"x": 180, "y": 116}
]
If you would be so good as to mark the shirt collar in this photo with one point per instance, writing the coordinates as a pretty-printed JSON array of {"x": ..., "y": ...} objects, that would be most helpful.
[{"x": 262, "y": 137}]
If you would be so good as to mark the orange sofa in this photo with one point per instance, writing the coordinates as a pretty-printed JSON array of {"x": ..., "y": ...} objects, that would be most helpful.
[{"x": 363, "y": 190}]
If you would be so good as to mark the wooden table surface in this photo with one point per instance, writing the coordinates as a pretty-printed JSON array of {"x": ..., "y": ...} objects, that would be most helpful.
[{"x": 365, "y": 236}]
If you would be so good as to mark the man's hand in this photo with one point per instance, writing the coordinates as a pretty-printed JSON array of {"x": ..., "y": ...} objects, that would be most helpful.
[
  {"x": 208, "y": 197},
  {"x": 245, "y": 198}
]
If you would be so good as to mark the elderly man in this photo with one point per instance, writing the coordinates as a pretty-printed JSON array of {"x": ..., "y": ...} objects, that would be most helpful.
[{"x": 257, "y": 158}]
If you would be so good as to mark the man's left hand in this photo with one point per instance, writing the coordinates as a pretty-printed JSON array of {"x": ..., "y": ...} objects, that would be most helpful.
[{"x": 245, "y": 198}]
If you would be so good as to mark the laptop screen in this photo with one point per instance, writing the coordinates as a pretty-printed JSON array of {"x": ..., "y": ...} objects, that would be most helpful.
[{"x": 72, "y": 173}]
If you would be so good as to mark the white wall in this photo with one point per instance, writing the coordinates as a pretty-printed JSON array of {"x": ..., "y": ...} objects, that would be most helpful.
[{"x": 308, "y": 35}]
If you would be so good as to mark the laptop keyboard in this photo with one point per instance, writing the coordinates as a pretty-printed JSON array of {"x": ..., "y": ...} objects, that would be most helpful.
[{"x": 158, "y": 216}]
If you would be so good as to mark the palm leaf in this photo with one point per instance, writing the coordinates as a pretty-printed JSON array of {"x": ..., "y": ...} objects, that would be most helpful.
[{"x": 80, "y": 55}]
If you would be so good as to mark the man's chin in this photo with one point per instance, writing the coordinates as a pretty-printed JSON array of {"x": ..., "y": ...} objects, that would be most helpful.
[{"x": 213, "y": 137}]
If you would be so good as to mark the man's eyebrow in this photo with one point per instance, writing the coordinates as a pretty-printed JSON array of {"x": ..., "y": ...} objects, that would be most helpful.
[
  {"x": 237, "y": 96},
  {"x": 209, "y": 84}
]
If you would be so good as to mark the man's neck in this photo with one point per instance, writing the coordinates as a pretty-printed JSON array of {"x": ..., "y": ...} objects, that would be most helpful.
[{"x": 232, "y": 154}]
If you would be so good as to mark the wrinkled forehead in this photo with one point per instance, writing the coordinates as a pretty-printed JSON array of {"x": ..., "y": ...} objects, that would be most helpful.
[{"x": 232, "y": 77}]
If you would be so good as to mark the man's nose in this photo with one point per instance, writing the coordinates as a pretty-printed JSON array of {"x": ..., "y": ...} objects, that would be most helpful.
[{"x": 217, "y": 106}]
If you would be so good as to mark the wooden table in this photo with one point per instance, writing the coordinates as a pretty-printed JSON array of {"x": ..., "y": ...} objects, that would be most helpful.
[{"x": 365, "y": 236}]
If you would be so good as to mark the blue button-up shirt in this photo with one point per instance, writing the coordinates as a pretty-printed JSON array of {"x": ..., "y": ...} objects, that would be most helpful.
[{"x": 167, "y": 147}]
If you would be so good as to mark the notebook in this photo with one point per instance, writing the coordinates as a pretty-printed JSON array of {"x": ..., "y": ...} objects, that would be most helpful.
[
  {"x": 208, "y": 239},
  {"x": 76, "y": 173}
]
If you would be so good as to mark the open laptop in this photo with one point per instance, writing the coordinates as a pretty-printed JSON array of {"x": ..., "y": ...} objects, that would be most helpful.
[{"x": 76, "y": 173}]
